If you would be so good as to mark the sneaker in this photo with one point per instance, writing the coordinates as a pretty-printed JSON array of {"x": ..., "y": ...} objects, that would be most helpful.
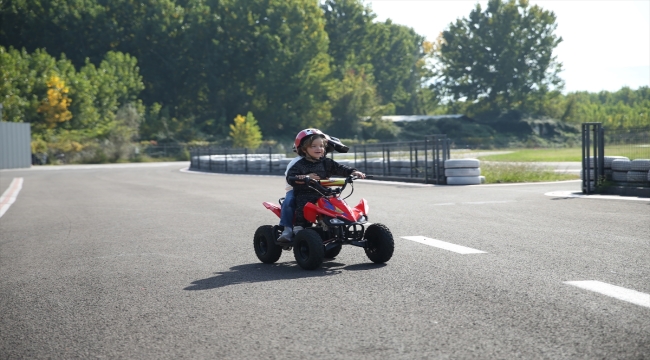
[
  {"x": 286, "y": 236},
  {"x": 296, "y": 229}
]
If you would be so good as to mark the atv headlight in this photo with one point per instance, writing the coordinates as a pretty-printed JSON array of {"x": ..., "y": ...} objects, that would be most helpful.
[{"x": 336, "y": 222}]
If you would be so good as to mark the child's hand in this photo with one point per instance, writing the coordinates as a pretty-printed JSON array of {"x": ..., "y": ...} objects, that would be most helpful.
[
  {"x": 313, "y": 176},
  {"x": 359, "y": 174}
]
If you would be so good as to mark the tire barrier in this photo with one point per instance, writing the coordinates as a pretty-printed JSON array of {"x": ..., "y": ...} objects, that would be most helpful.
[
  {"x": 621, "y": 164},
  {"x": 637, "y": 176},
  {"x": 463, "y": 172},
  {"x": 624, "y": 171},
  {"x": 640, "y": 165},
  {"x": 463, "y": 180},
  {"x": 620, "y": 176},
  {"x": 607, "y": 160}
]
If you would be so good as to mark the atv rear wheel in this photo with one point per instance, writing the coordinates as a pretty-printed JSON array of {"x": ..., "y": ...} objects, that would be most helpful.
[
  {"x": 308, "y": 249},
  {"x": 264, "y": 244},
  {"x": 380, "y": 243},
  {"x": 333, "y": 252}
]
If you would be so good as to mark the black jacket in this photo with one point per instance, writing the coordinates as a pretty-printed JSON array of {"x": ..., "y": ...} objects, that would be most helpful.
[{"x": 324, "y": 168}]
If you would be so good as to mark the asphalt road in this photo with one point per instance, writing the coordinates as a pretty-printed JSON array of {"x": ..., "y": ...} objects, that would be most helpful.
[{"x": 148, "y": 262}]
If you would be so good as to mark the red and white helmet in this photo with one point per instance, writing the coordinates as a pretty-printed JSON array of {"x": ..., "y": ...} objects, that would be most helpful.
[{"x": 304, "y": 134}]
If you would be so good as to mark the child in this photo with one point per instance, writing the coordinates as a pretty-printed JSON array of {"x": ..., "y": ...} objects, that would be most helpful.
[
  {"x": 312, "y": 143},
  {"x": 289, "y": 204}
]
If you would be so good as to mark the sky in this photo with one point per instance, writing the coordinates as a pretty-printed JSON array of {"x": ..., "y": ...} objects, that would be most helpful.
[{"x": 606, "y": 43}]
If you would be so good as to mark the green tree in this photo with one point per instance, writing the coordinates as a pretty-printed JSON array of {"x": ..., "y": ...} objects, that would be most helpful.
[
  {"x": 245, "y": 132},
  {"x": 348, "y": 24},
  {"x": 501, "y": 58}
]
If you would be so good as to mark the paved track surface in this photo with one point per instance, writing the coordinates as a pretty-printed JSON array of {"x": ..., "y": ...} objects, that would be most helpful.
[{"x": 153, "y": 263}]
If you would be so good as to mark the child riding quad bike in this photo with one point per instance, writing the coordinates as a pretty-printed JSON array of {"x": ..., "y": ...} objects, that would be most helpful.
[{"x": 335, "y": 224}]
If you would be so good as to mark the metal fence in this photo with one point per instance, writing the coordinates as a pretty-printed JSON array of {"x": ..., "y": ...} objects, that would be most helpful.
[
  {"x": 599, "y": 143},
  {"x": 415, "y": 161},
  {"x": 632, "y": 143}
]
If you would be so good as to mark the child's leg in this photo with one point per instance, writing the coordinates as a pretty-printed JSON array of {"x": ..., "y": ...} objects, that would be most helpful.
[
  {"x": 301, "y": 201},
  {"x": 288, "y": 210},
  {"x": 286, "y": 216}
]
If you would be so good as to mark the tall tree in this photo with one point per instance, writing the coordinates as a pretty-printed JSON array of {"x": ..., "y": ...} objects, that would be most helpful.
[
  {"x": 501, "y": 58},
  {"x": 348, "y": 24}
]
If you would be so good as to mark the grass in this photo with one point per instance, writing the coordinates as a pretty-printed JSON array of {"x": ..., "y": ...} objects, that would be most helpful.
[
  {"x": 496, "y": 173},
  {"x": 568, "y": 154},
  {"x": 537, "y": 155}
]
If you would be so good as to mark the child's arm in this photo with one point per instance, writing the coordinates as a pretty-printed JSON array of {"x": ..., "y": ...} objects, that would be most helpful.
[
  {"x": 297, "y": 171},
  {"x": 341, "y": 170}
]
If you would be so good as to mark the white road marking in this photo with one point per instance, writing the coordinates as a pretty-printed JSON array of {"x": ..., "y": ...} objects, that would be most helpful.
[
  {"x": 476, "y": 203},
  {"x": 9, "y": 196},
  {"x": 621, "y": 293},
  {"x": 443, "y": 245},
  {"x": 489, "y": 202},
  {"x": 574, "y": 194}
]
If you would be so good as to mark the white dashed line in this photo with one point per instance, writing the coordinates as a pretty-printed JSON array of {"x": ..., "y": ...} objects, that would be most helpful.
[
  {"x": 476, "y": 203},
  {"x": 9, "y": 196},
  {"x": 621, "y": 293},
  {"x": 443, "y": 245}
]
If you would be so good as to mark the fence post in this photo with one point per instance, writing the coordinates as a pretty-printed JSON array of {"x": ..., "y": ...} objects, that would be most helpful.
[
  {"x": 225, "y": 157},
  {"x": 209, "y": 158},
  {"x": 411, "y": 158},
  {"x": 598, "y": 155},
  {"x": 383, "y": 160},
  {"x": 365, "y": 159},
  {"x": 426, "y": 160},
  {"x": 246, "y": 159},
  {"x": 388, "y": 160},
  {"x": 436, "y": 159},
  {"x": 416, "y": 159},
  {"x": 355, "y": 156},
  {"x": 601, "y": 152}
]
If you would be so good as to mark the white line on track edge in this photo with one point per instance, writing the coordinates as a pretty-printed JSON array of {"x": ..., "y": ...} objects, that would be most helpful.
[
  {"x": 443, "y": 245},
  {"x": 620, "y": 293},
  {"x": 10, "y": 195}
]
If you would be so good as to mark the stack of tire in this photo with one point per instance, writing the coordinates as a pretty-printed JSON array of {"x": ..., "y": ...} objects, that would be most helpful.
[
  {"x": 639, "y": 171},
  {"x": 635, "y": 171},
  {"x": 463, "y": 172}
]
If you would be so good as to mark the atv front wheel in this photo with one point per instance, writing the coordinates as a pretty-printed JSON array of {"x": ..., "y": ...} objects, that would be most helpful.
[
  {"x": 308, "y": 249},
  {"x": 380, "y": 243},
  {"x": 264, "y": 244}
]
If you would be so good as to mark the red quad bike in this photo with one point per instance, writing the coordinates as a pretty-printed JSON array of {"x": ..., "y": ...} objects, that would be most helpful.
[{"x": 335, "y": 224}]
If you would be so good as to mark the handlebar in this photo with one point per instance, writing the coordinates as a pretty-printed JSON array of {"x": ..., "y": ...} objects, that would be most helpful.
[{"x": 320, "y": 185}]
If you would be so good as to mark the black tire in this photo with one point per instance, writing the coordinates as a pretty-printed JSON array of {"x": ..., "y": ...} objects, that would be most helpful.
[
  {"x": 308, "y": 249},
  {"x": 380, "y": 243},
  {"x": 264, "y": 244},
  {"x": 333, "y": 252}
]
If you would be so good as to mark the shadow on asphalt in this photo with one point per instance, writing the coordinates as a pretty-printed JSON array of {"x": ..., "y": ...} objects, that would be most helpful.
[
  {"x": 564, "y": 198},
  {"x": 259, "y": 272}
]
